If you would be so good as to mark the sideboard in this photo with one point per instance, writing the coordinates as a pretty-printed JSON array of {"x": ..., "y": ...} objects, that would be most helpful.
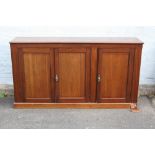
[{"x": 74, "y": 72}]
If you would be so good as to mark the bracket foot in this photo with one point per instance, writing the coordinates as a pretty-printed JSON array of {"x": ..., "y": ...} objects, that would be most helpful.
[{"x": 134, "y": 107}]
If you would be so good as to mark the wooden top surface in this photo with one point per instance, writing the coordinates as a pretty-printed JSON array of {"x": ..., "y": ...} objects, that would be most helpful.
[{"x": 110, "y": 40}]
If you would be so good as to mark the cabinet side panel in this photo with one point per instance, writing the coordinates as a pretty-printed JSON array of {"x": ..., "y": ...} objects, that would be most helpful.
[
  {"x": 130, "y": 74},
  {"x": 18, "y": 92},
  {"x": 136, "y": 73}
]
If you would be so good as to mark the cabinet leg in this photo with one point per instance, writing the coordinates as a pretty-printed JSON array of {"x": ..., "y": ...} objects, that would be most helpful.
[{"x": 134, "y": 108}]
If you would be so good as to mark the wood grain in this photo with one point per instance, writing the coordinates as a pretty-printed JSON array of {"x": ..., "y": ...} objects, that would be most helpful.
[
  {"x": 136, "y": 73},
  {"x": 77, "y": 62},
  {"x": 113, "y": 69},
  {"x": 73, "y": 105},
  {"x": 107, "y": 40},
  {"x": 71, "y": 69},
  {"x": 18, "y": 95},
  {"x": 36, "y": 66},
  {"x": 93, "y": 82}
]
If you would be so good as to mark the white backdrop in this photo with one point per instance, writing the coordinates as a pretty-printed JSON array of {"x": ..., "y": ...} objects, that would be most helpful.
[
  {"x": 78, "y": 16},
  {"x": 146, "y": 34}
]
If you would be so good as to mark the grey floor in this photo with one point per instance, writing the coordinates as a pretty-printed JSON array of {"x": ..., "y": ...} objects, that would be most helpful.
[{"x": 76, "y": 118}]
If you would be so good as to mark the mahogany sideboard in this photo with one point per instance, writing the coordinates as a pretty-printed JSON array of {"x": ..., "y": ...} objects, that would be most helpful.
[{"x": 74, "y": 72}]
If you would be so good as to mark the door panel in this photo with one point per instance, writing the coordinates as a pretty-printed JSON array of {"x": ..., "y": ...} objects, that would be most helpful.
[
  {"x": 73, "y": 70},
  {"x": 36, "y": 65},
  {"x": 115, "y": 71}
]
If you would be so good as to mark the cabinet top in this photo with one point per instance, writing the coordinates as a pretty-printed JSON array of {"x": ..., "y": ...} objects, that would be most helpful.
[{"x": 107, "y": 40}]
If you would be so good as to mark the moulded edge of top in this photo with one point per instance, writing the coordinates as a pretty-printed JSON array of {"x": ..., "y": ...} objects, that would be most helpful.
[{"x": 106, "y": 40}]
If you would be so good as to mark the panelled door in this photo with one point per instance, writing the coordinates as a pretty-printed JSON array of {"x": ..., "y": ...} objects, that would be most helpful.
[
  {"x": 72, "y": 74},
  {"x": 115, "y": 69},
  {"x": 37, "y": 74}
]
